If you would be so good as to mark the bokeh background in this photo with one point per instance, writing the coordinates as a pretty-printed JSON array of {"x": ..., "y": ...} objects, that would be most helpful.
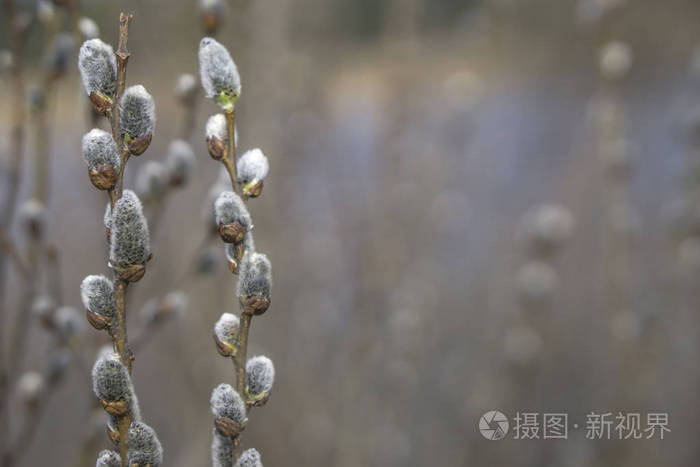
[{"x": 418, "y": 150}]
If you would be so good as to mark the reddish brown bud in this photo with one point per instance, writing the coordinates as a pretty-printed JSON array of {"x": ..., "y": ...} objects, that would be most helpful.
[
  {"x": 255, "y": 305},
  {"x": 131, "y": 273},
  {"x": 139, "y": 145},
  {"x": 101, "y": 103},
  {"x": 232, "y": 233},
  {"x": 104, "y": 177},
  {"x": 253, "y": 190},
  {"x": 217, "y": 148},
  {"x": 117, "y": 408},
  {"x": 224, "y": 349},
  {"x": 96, "y": 320},
  {"x": 227, "y": 427}
]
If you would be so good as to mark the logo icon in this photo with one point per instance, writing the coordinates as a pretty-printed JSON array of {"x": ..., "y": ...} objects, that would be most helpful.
[{"x": 493, "y": 425}]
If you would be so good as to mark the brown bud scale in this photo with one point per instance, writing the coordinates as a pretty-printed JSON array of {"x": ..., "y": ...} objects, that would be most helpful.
[
  {"x": 104, "y": 177},
  {"x": 139, "y": 145},
  {"x": 217, "y": 148},
  {"x": 101, "y": 104},
  {"x": 255, "y": 305},
  {"x": 232, "y": 233},
  {"x": 96, "y": 320}
]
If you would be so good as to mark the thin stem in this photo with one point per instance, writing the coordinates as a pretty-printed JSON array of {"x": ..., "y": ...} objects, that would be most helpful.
[
  {"x": 17, "y": 31},
  {"x": 123, "y": 424},
  {"x": 230, "y": 160},
  {"x": 9, "y": 247},
  {"x": 120, "y": 341},
  {"x": 242, "y": 351},
  {"x": 123, "y": 55}
]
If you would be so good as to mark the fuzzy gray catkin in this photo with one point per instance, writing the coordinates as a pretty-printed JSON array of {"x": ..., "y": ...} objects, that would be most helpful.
[
  {"x": 151, "y": 180},
  {"x": 100, "y": 149},
  {"x": 230, "y": 208},
  {"x": 108, "y": 458},
  {"x": 249, "y": 458},
  {"x": 186, "y": 87},
  {"x": 225, "y": 402},
  {"x": 88, "y": 28},
  {"x": 137, "y": 112},
  {"x": 144, "y": 446},
  {"x": 68, "y": 323},
  {"x": 98, "y": 67},
  {"x": 97, "y": 294},
  {"x": 60, "y": 54},
  {"x": 221, "y": 450},
  {"x": 180, "y": 161},
  {"x": 216, "y": 128},
  {"x": 259, "y": 377},
  {"x": 218, "y": 73},
  {"x": 252, "y": 166},
  {"x": 30, "y": 386},
  {"x": 226, "y": 332},
  {"x": 255, "y": 276},
  {"x": 110, "y": 379},
  {"x": 130, "y": 242}
]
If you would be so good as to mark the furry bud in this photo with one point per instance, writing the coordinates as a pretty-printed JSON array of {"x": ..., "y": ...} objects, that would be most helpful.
[
  {"x": 259, "y": 377},
  {"x": 252, "y": 170},
  {"x": 227, "y": 404},
  {"x": 68, "y": 323},
  {"x": 547, "y": 227},
  {"x": 218, "y": 73},
  {"x": 186, "y": 88},
  {"x": 88, "y": 28},
  {"x": 249, "y": 458},
  {"x": 207, "y": 261},
  {"x": 98, "y": 68},
  {"x": 536, "y": 282},
  {"x": 254, "y": 283},
  {"x": 45, "y": 11},
  {"x": 112, "y": 385},
  {"x": 58, "y": 365},
  {"x": 101, "y": 155},
  {"x": 221, "y": 450},
  {"x": 151, "y": 181},
  {"x": 217, "y": 136},
  {"x": 108, "y": 458},
  {"x": 29, "y": 388},
  {"x": 232, "y": 217},
  {"x": 130, "y": 246},
  {"x": 144, "y": 447},
  {"x": 212, "y": 12},
  {"x": 60, "y": 55},
  {"x": 137, "y": 118},
  {"x": 32, "y": 215},
  {"x": 226, "y": 334},
  {"x": 615, "y": 60},
  {"x": 97, "y": 293},
  {"x": 180, "y": 162},
  {"x": 173, "y": 304},
  {"x": 43, "y": 308}
]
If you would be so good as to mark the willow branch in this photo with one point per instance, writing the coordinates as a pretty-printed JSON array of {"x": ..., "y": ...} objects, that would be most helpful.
[
  {"x": 17, "y": 31},
  {"x": 10, "y": 249},
  {"x": 230, "y": 160}
]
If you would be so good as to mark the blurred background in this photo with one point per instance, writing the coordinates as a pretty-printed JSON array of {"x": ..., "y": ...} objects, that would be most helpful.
[{"x": 472, "y": 206}]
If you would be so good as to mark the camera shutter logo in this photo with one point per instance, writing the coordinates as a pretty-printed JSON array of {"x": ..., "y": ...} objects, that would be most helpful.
[{"x": 493, "y": 425}]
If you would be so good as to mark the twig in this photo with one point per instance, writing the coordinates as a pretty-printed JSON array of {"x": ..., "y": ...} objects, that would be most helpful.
[
  {"x": 123, "y": 55},
  {"x": 16, "y": 40},
  {"x": 230, "y": 160},
  {"x": 121, "y": 345},
  {"x": 9, "y": 247}
]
